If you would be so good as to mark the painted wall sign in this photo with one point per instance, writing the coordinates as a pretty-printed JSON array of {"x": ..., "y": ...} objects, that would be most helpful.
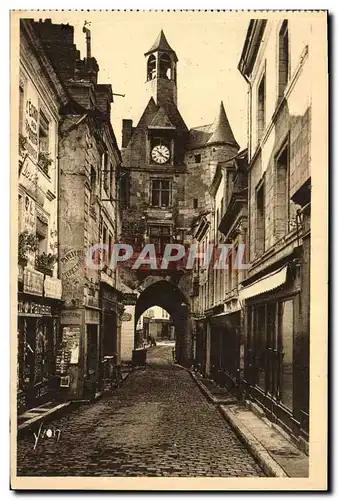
[
  {"x": 27, "y": 307},
  {"x": 28, "y": 177},
  {"x": 53, "y": 287},
  {"x": 71, "y": 263},
  {"x": 27, "y": 214},
  {"x": 31, "y": 122},
  {"x": 32, "y": 281}
]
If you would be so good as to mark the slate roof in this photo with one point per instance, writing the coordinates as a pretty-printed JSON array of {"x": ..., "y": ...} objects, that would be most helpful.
[
  {"x": 161, "y": 44},
  {"x": 161, "y": 120},
  {"x": 217, "y": 133}
]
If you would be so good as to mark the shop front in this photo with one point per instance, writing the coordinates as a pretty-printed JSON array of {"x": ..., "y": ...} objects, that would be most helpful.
[
  {"x": 38, "y": 336},
  {"x": 110, "y": 328},
  {"x": 200, "y": 345},
  {"x": 225, "y": 349},
  {"x": 273, "y": 358}
]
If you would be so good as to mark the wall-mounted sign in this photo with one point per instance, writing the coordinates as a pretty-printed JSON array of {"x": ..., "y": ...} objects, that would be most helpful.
[
  {"x": 31, "y": 125},
  {"x": 71, "y": 317},
  {"x": 32, "y": 281},
  {"x": 28, "y": 307},
  {"x": 53, "y": 287},
  {"x": 92, "y": 317},
  {"x": 71, "y": 341},
  {"x": 129, "y": 299},
  {"x": 126, "y": 317},
  {"x": 28, "y": 177},
  {"x": 27, "y": 214},
  {"x": 91, "y": 301}
]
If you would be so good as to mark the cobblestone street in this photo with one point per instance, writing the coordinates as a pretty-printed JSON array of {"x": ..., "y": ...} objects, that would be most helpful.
[{"x": 156, "y": 424}]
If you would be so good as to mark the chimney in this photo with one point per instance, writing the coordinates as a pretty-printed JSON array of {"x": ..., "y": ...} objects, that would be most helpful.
[
  {"x": 127, "y": 132},
  {"x": 88, "y": 39}
]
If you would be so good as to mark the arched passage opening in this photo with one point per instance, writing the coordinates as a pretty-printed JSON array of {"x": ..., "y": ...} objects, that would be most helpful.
[
  {"x": 154, "y": 325},
  {"x": 168, "y": 296}
]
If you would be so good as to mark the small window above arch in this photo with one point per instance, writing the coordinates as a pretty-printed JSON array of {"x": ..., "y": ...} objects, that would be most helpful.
[{"x": 151, "y": 68}]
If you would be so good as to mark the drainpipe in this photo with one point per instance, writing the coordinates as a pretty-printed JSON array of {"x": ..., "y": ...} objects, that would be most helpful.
[{"x": 249, "y": 143}]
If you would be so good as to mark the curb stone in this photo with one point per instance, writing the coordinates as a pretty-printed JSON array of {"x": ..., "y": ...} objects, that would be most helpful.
[
  {"x": 261, "y": 455},
  {"x": 207, "y": 393},
  {"x": 269, "y": 466}
]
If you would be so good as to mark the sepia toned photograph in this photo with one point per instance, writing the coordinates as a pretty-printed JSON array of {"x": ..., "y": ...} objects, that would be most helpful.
[{"x": 170, "y": 315}]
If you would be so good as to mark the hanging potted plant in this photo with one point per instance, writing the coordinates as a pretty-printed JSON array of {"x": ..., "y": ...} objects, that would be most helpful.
[
  {"x": 45, "y": 263},
  {"x": 27, "y": 243},
  {"x": 45, "y": 161},
  {"x": 22, "y": 150}
]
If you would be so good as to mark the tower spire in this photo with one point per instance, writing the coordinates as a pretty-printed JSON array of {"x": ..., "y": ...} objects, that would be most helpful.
[
  {"x": 161, "y": 71},
  {"x": 161, "y": 45},
  {"x": 222, "y": 133}
]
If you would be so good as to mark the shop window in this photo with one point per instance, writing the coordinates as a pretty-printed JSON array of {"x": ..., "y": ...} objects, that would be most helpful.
[
  {"x": 160, "y": 236},
  {"x": 286, "y": 335},
  {"x": 92, "y": 351},
  {"x": 198, "y": 158},
  {"x": 260, "y": 221},
  {"x": 261, "y": 108},
  {"x": 259, "y": 342},
  {"x": 160, "y": 193},
  {"x": 272, "y": 346},
  {"x": 283, "y": 58}
]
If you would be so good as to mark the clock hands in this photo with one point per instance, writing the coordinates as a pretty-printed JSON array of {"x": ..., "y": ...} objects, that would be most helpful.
[{"x": 161, "y": 154}]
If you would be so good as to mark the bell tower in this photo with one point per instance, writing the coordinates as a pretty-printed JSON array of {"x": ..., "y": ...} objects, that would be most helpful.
[{"x": 162, "y": 71}]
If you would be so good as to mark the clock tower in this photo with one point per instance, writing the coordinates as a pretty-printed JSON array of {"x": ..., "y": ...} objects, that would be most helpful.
[
  {"x": 162, "y": 71},
  {"x": 167, "y": 173}
]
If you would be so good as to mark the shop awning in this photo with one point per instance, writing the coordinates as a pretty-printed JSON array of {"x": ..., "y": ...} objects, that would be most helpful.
[{"x": 265, "y": 284}]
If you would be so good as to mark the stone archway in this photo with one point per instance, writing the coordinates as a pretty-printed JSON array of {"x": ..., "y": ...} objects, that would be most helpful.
[{"x": 167, "y": 295}]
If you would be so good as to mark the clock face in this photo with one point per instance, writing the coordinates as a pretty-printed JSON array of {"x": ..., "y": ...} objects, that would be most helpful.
[{"x": 160, "y": 154}]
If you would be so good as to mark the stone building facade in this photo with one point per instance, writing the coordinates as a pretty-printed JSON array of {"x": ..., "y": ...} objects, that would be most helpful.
[
  {"x": 88, "y": 185},
  {"x": 41, "y": 96},
  {"x": 277, "y": 63},
  {"x": 169, "y": 171},
  {"x": 253, "y": 324}
]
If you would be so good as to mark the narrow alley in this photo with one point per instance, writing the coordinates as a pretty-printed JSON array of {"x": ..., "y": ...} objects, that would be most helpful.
[{"x": 157, "y": 423}]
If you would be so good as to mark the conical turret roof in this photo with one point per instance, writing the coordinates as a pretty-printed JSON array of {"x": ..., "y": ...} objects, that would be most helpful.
[
  {"x": 221, "y": 130},
  {"x": 161, "y": 44}
]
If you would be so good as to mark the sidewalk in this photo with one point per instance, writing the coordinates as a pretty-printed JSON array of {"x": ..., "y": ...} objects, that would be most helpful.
[
  {"x": 42, "y": 413},
  {"x": 270, "y": 446},
  {"x": 49, "y": 411}
]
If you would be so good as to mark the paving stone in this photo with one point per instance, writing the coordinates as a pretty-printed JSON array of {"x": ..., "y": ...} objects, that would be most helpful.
[{"x": 157, "y": 424}]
